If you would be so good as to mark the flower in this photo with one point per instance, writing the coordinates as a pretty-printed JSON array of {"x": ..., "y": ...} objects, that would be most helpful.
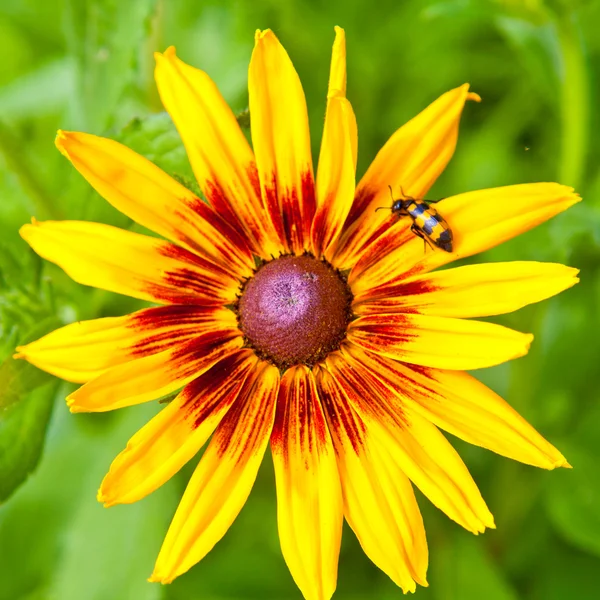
[{"x": 292, "y": 311}]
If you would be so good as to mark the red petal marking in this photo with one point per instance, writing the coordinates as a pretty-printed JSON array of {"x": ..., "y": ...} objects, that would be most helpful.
[
  {"x": 383, "y": 329},
  {"x": 292, "y": 212},
  {"x": 232, "y": 246},
  {"x": 386, "y": 372},
  {"x": 298, "y": 406},
  {"x": 272, "y": 206},
  {"x": 219, "y": 385},
  {"x": 366, "y": 391},
  {"x": 363, "y": 197},
  {"x": 216, "y": 196},
  {"x": 244, "y": 410},
  {"x": 191, "y": 286},
  {"x": 216, "y": 344},
  {"x": 388, "y": 296},
  {"x": 176, "y": 319},
  {"x": 390, "y": 235},
  {"x": 339, "y": 415}
]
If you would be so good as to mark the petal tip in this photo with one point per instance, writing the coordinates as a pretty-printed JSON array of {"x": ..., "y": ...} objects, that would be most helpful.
[
  {"x": 169, "y": 54},
  {"x": 156, "y": 578},
  {"x": 62, "y": 137},
  {"x": 262, "y": 34},
  {"x": 26, "y": 230},
  {"x": 468, "y": 94},
  {"x": 102, "y": 498}
]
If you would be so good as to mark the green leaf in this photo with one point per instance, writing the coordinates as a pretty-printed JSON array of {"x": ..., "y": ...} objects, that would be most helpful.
[
  {"x": 573, "y": 497},
  {"x": 106, "y": 37},
  {"x": 463, "y": 570},
  {"x": 110, "y": 551},
  {"x": 566, "y": 574},
  {"x": 18, "y": 378},
  {"x": 53, "y": 81},
  {"x": 22, "y": 433},
  {"x": 156, "y": 138}
]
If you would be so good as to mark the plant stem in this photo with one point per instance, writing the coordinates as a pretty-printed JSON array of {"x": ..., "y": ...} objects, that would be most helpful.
[
  {"x": 10, "y": 147},
  {"x": 574, "y": 101}
]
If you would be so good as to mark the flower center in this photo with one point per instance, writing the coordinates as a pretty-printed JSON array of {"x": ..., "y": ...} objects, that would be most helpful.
[{"x": 295, "y": 310}]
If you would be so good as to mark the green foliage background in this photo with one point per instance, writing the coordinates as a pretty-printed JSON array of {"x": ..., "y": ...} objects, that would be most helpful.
[{"x": 87, "y": 65}]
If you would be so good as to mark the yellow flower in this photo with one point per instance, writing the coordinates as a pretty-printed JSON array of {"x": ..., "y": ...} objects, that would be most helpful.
[{"x": 341, "y": 347}]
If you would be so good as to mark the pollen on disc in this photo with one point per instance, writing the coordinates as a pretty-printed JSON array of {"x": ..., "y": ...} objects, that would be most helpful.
[{"x": 295, "y": 310}]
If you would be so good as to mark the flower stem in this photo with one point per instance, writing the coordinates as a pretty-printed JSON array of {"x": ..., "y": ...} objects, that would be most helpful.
[
  {"x": 11, "y": 149},
  {"x": 574, "y": 100}
]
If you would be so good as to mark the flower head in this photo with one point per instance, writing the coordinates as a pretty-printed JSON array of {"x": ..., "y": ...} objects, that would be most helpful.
[{"x": 292, "y": 311}]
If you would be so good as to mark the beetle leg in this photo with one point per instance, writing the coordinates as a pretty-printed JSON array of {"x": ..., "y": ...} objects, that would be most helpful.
[{"x": 420, "y": 234}]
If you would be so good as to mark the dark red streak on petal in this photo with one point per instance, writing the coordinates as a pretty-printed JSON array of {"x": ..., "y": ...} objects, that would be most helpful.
[
  {"x": 272, "y": 205},
  {"x": 189, "y": 258},
  {"x": 249, "y": 412},
  {"x": 292, "y": 211},
  {"x": 318, "y": 226},
  {"x": 299, "y": 419},
  {"x": 309, "y": 204},
  {"x": 170, "y": 316},
  {"x": 218, "y": 386},
  {"x": 170, "y": 324},
  {"x": 340, "y": 417},
  {"x": 383, "y": 330},
  {"x": 363, "y": 197},
  {"x": 203, "y": 351},
  {"x": 413, "y": 386},
  {"x": 391, "y": 234},
  {"x": 404, "y": 288},
  {"x": 191, "y": 286},
  {"x": 230, "y": 244},
  {"x": 223, "y": 206},
  {"x": 390, "y": 297},
  {"x": 368, "y": 392},
  {"x": 252, "y": 173}
]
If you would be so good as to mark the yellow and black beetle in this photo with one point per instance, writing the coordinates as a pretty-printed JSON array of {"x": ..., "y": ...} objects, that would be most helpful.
[{"x": 427, "y": 223}]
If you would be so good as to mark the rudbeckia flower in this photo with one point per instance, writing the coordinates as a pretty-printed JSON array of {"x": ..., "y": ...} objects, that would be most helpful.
[{"x": 292, "y": 312}]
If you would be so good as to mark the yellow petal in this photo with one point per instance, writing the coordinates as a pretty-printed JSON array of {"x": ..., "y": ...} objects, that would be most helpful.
[
  {"x": 156, "y": 375},
  {"x": 337, "y": 70},
  {"x": 335, "y": 175},
  {"x": 479, "y": 221},
  {"x": 129, "y": 263},
  {"x": 281, "y": 141},
  {"x": 379, "y": 502},
  {"x": 337, "y": 85},
  {"x": 83, "y": 350},
  {"x": 223, "y": 479},
  {"x": 158, "y": 450},
  {"x": 219, "y": 153},
  {"x": 438, "y": 341},
  {"x": 410, "y": 162},
  {"x": 309, "y": 497},
  {"x": 414, "y": 444},
  {"x": 470, "y": 291},
  {"x": 145, "y": 193},
  {"x": 463, "y": 406}
]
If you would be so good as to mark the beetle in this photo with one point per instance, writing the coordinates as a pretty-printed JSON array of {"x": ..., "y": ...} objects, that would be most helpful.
[{"x": 427, "y": 223}]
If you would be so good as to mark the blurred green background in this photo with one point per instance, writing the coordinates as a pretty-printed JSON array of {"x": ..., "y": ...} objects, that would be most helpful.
[{"x": 87, "y": 65}]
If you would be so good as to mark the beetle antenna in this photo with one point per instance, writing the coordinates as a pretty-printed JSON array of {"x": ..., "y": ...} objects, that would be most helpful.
[
  {"x": 391, "y": 192},
  {"x": 383, "y": 208}
]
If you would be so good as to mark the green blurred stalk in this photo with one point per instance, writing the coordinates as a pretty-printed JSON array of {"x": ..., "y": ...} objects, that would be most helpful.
[
  {"x": 574, "y": 101},
  {"x": 10, "y": 147}
]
